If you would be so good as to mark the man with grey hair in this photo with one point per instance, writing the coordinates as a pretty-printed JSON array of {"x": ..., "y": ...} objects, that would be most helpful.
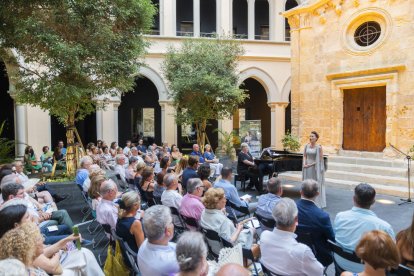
[
  {"x": 266, "y": 202},
  {"x": 106, "y": 211},
  {"x": 159, "y": 230},
  {"x": 287, "y": 257},
  {"x": 314, "y": 220},
  {"x": 172, "y": 196},
  {"x": 135, "y": 153},
  {"x": 191, "y": 206},
  {"x": 120, "y": 160},
  {"x": 83, "y": 173}
]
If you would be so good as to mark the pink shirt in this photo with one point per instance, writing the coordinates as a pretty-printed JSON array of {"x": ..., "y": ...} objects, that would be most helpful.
[{"x": 191, "y": 206}]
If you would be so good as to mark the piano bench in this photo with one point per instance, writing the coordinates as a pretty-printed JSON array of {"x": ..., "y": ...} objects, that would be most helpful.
[{"x": 242, "y": 179}]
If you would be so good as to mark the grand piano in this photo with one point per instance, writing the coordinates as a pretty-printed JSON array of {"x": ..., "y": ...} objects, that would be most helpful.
[{"x": 283, "y": 161}]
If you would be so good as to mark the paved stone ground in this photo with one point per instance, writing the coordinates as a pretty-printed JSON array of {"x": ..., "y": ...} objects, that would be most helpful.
[{"x": 386, "y": 207}]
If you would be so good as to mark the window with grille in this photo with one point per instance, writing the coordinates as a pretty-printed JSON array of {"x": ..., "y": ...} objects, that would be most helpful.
[{"x": 367, "y": 33}]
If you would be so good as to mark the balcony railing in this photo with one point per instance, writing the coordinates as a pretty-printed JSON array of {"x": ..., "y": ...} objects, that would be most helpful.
[{"x": 181, "y": 33}]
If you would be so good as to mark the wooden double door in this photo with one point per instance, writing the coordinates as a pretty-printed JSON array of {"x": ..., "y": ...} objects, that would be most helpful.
[{"x": 364, "y": 119}]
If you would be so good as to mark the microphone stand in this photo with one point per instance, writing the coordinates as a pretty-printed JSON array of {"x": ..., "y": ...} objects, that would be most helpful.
[{"x": 408, "y": 157}]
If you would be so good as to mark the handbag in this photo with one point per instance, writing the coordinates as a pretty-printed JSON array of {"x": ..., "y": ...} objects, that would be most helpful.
[{"x": 114, "y": 264}]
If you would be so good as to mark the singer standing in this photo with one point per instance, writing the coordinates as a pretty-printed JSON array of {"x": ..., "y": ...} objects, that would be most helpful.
[{"x": 314, "y": 168}]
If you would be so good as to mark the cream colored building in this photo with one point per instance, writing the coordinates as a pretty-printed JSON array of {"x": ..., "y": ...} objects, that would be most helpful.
[
  {"x": 353, "y": 73},
  {"x": 259, "y": 24}
]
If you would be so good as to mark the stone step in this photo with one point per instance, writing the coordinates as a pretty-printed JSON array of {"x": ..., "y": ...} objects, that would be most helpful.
[
  {"x": 400, "y": 191},
  {"x": 363, "y": 154},
  {"x": 369, "y": 178},
  {"x": 390, "y": 163},
  {"x": 367, "y": 169}
]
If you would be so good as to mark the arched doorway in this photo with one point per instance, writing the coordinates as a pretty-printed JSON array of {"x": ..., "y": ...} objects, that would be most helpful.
[
  {"x": 139, "y": 114},
  {"x": 6, "y": 104},
  {"x": 255, "y": 108}
]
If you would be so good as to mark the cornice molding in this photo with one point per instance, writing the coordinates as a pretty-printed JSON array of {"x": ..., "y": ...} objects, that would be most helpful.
[
  {"x": 364, "y": 72},
  {"x": 242, "y": 58}
]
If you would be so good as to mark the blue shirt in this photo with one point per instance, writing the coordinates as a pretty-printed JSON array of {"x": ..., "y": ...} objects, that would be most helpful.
[
  {"x": 265, "y": 205},
  {"x": 231, "y": 194},
  {"x": 209, "y": 155},
  {"x": 200, "y": 157},
  {"x": 63, "y": 151},
  {"x": 142, "y": 148},
  {"x": 187, "y": 174},
  {"x": 81, "y": 176},
  {"x": 349, "y": 226}
]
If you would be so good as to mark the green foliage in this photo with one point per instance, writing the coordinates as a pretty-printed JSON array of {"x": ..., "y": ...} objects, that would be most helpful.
[
  {"x": 227, "y": 141},
  {"x": 85, "y": 49},
  {"x": 411, "y": 152},
  {"x": 290, "y": 142},
  {"x": 203, "y": 79},
  {"x": 6, "y": 146}
]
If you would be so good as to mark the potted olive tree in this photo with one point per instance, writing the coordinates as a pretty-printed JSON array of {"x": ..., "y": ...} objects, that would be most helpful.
[{"x": 290, "y": 142}]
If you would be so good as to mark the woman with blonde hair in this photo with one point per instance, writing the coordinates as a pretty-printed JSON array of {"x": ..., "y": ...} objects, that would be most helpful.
[
  {"x": 180, "y": 167},
  {"x": 128, "y": 227},
  {"x": 214, "y": 218},
  {"x": 378, "y": 252},
  {"x": 24, "y": 243},
  {"x": 93, "y": 191}
]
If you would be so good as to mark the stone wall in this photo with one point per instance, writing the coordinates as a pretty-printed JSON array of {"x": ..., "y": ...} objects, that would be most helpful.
[{"x": 326, "y": 60}]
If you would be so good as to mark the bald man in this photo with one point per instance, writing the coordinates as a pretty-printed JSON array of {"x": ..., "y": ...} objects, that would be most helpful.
[{"x": 233, "y": 270}]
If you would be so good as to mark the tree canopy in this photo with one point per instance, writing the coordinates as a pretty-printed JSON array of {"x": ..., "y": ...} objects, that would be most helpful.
[
  {"x": 72, "y": 51},
  {"x": 203, "y": 81}
]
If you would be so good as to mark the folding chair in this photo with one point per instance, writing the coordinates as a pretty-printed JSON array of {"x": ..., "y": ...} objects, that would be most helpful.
[
  {"x": 191, "y": 222},
  {"x": 129, "y": 254},
  {"x": 242, "y": 178},
  {"x": 87, "y": 210},
  {"x": 178, "y": 229},
  {"x": 266, "y": 222},
  {"x": 107, "y": 230},
  {"x": 349, "y": 256},
  {"x": 404, "y": 271},
  {"x": 157, "y": 200},
  {"x": 267, "y": 272},
  {"x": 242, "y": 209},
  {"x": 123, "y": 185}
]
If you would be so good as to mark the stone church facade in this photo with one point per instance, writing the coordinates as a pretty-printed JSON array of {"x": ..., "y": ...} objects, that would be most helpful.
[{"x": 353, "y": 73}]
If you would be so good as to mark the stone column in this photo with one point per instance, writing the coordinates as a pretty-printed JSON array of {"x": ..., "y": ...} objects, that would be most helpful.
[
  {"x": 196, "y": 18},
  {"x": 277, "y": 110},
  {"x": 250, "y": 19},
  {"x": 224, "y": 17},
  {"x": 99, "y": 124},
  {"x": 168, "y": 17},
  {"x": 20, "y": 127},
  {"x": 219, "y": 28},
  {"x": 278, "y": 32},
  {"x": 272, "y": 19},
  {"x": 116, "y": 105},
  {"x": 225, "y": 125},
  {"x": 38, "y": 128},
  {"x": 168, "y": 124}
]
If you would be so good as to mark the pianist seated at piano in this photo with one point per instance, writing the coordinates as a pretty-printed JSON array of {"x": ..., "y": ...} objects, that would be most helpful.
[{"x": 246, "y": 167}]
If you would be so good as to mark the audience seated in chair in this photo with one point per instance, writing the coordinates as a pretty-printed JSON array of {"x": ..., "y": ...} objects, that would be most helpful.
[
  {"x": 83, "y": 172},
  {"x": 378, "y": 252},
  {"x": 211, "y": 159},
  {"x": 231, "y": 192},
  {"x": 191, "y": 205},
  {"x": 159, "y": 230},
  {"x": 172, "y": 196},
  {"x": 120, "y": 160},
  {"x": 190, "y": 171},
  {"x": 47, "y": 159},
  {"x": 107, "y": 211},
  {"x": 191, "y": 252},
  {"x": 267, "y": 201},
  {"x": 281, "y": 253},
  {"x": 214, "y": 218},
  {"x": 94, "y": 192},
  {"x": 47, "y": 259},
  {"x": 203, "y": 173},
  {"x": 314, "y": 220},
  {"x": 130, "y": 171},
  {"x": 405, "y": 244},
  {"x": 30, "y": 160},
  {"x": 45, "y": 219},
  {"x": 196, "y": 152},
  {"x": 128, "y": 227},
  {"x": 350, "y": 225}
]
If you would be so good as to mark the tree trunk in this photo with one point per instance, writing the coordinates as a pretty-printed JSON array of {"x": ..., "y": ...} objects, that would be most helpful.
[
  {"x": 201, "y": 134},
  {"x": 70, "y": 140}
]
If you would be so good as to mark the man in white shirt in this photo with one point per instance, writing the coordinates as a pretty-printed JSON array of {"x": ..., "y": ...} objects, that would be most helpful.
[
  {"x": 171, "y": 197},
  {"x": 135, "y": 153},
  {"x": 106, "y": 211},
  {"x": 281, "y": 253},
  {"x": 156, "y": 255},
  {"x": 120, "y": 166},
  {"x": 127, "y": 149}
]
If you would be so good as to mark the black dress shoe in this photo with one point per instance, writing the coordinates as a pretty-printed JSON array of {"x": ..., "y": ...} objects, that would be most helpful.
[{"x": 59, "y": 198}]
